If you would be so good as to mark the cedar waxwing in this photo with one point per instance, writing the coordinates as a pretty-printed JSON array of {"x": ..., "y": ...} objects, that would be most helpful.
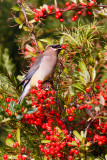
[{"x": 41, "y": 69}]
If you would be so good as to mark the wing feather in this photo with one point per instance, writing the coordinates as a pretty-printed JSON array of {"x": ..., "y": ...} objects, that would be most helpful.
[{"x": 31, "y": 71}]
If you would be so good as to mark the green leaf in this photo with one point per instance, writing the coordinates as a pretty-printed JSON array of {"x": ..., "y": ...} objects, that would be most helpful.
[
  {"x": 28, "y": 13},
  {"x": 71, "y": 91},
  {"x": 73, "y": 143},
  {"x": 62, "y": 40},
  {"x": 19, "y": 117},
  {"x": 12, "y": 107},
  {"x": 32, "y": 21},
  {"x": 1, "y": 109},
  {"x": 45, "y": 141},
  {"x": 84, "y": 71},
  {"x": 26, "y": 28},
  {"x": 83, "y": 81},
  {"x": 77, "y": 135},
  {"x": 47, "y": 40},
  {"x": 93, "y": 74},
  {"x": 20, "y": 26},
  {"x": 16, "y": 8},
  {"x": 40, "y": 45},
  {"x": 12, "y": 103},
  {"x": 17, "y": 20},
  {"x": 1, "y": 117},
  {"x": 74, "y": 1},
  {"x": 9, "y": 142},
  {"x": 6, "y": 120},
  {"x": 88, "y": 144},
  {"x": 78, "y": 86},
  {"x": 18, "y": 135},
  {"x": 83, "y": 1},
  {"x": 102, "y": 100},
  {"x": 31, "y": 111}
]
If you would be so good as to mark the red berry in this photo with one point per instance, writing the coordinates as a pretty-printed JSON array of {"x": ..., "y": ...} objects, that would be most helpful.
[
  {"x": 88, "y": 107},
  {"x": 102, "y": 85},
  {"x": 43, "y": 9},
  {"x": 52, "y": 92},
  {"x": 22, "y": 149},
  {"x": 33, "y": 43},
  {"x": 79, "y": 12},
  {"x": 26, "y": 48},
  {"x": 67, "y": 3},
  {"x": 105, "y": 81},
  {"x": 70, "y": 118},
  {"x": 72, "y": 150},
  {"x": 57, "y": 10},
  {"x": 79, "y": 94},
  {"x": 23, "y": 158},
  {"x": 19, "y": 156},
  {"x": 59, "y": 155},
  {"x": 96, "y": 102},
  {"x": 39, "y": 82},
  {"x": 56, "y": 16},
  {"x": 61, "y": 20},
  {"x": 59, "y": 14},
  {"x": 57, "y": 134},
  {"x": 90, "y": 4},
  {"x": 100, "y": 143},
  {"x": 14, "y": 145},
  {"x": 50, "y": 7},
  {"x": 9, "y": 135},
  {"x": 88, "y": 89},
  {"x": 97, "y": 86},
  {"x": 32, "y": 91},
  {"x": 68, "y": 111},
  {"x": 36, "y": 19},
  {"x": 76, "y": 17},
  {"x": 81, "y": 97},
  {"x": 83, "y": 4},
  {"x": 73, "y": 19},
  {"x": 89, "y": 13},
  {"x": 69, "y": 7},
  {"x": 63, "y": 46},
  {"x": 76, "y": 152},
  {"x": 70, "y": 158},
  {"x": 5, "y": 156},
  {"x": 9, "y": 113},
  {"x": 34, "y": 10}
]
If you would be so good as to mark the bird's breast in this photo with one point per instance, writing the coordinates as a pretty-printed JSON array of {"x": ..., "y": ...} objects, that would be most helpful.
[{"x": 46, "y": 68}]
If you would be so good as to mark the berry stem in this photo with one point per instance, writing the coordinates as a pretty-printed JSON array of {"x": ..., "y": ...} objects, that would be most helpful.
[{"x": 28, "y": 25}]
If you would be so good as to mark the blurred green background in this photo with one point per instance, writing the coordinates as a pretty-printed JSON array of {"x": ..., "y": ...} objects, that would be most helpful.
[{"x": 9, "y": 34}]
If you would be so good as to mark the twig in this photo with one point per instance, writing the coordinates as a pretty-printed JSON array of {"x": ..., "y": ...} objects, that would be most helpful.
[
  {"x": 27, "y": 24},
  {"x": 90, "y": 123},
  {"x": 56, "y": 4},
  {"x": 61, "y": 67},
  {"x": 74, "y": 8}
]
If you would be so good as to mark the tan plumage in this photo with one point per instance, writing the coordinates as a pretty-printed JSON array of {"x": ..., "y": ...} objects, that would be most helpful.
[{"x": 41, "y": 69}]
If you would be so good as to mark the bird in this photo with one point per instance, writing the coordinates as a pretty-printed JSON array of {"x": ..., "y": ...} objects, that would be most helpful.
[{"x": 41, "y": 69}]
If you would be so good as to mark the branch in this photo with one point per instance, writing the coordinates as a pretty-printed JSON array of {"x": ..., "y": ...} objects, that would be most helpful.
[
  {"x": 28, "y": 25},
  {"x": 73, "y": 8}
]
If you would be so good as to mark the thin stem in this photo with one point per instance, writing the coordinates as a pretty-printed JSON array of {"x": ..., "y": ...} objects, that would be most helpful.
[{"x": 28, "y": 25}]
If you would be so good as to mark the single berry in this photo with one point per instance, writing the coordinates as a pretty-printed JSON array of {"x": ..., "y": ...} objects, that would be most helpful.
[
  {"x": 81, "y": 97},
  {"x": 9, "y": 135},
  {"x": 67, "y": 3},
  {"x": 88, "y": 89},
  {"x": 63, "y": 47}
]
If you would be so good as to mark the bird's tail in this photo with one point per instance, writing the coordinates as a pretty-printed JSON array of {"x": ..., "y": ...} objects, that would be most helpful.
[{"x": 26, "y": 90}]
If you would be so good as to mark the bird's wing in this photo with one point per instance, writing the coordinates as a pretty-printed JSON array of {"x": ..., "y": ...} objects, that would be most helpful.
[{"x": 31, "y": 71}]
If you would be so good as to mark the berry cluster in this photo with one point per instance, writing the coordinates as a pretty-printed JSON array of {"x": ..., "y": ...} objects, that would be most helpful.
[{"x": 44, "y": 12}]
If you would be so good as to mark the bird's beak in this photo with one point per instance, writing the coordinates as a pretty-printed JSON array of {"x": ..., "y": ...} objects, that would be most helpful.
[{"x": 59, "y": 47}]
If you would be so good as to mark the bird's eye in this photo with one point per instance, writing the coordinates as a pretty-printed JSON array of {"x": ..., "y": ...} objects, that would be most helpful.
[{"x": 55, "y": 46}]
